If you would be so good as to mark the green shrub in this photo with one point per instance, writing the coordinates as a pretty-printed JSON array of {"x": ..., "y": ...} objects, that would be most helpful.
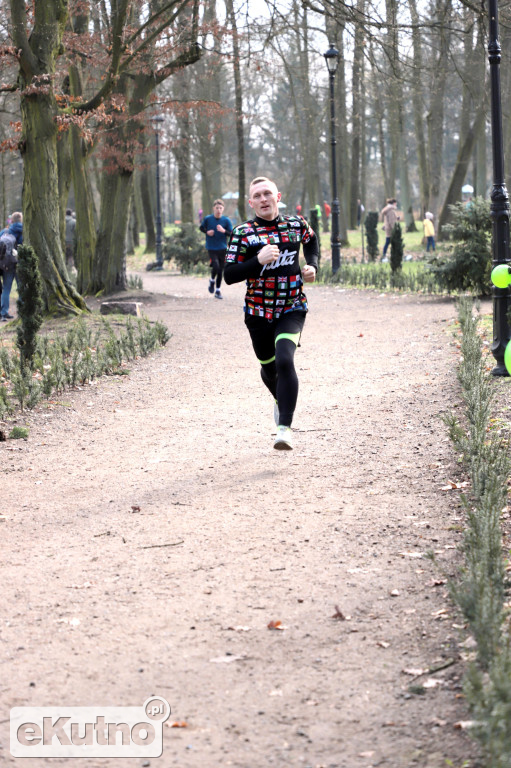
[
  {"x": 30, "y": 304},
  {"x": 18, "y": 433},
  {"x": 371, "y": 225},
  {"x": 484, "y": 587},
  {"x": 467, "y": 265},
  {"x": 397, "y": 248},
  {"x": 185, "y": 248}
]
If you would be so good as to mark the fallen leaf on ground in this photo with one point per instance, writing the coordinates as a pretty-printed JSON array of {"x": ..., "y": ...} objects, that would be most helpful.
[
  {"x": 395, "y": 593},
  {"x": 365, "y": 754},
  {"x": 135, "y": 508},
  {"x": 239, "y": 629},
  {"x": 452, "y": 486},
  {"x": 177, "y": 724},
  {"x": 338, "y": 614},
  {"x": 432, "y": 683},
  {"x": 410, "y": 554},
  {"x": 414, "y": 671},
  {"x": 276, "y": 625},
  {"x": 383, "y": 644}
]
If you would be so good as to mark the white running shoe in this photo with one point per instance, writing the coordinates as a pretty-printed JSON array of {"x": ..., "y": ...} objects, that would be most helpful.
[
  {"x": 284, "y": 439},
  {"x": 276, "y": 413}
]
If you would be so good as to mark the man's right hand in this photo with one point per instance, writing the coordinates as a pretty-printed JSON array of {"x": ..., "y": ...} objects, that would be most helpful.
[
  {"x": 210, "y": 232},
  {"x": 267, "y": 254}
]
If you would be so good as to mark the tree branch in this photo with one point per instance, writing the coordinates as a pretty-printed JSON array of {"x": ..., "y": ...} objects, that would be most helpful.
[{"x": 19, "y": 35}]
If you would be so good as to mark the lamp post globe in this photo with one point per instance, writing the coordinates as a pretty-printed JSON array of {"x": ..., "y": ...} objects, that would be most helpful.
[{"x": 332, "y": 61}]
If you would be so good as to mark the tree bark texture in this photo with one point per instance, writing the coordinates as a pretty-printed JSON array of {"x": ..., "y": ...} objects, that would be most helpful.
[
  {"x": 37, "y": 57},
  {"x": 437, "y": 101},
  {"x": 418, "y": 109},
  {"x": 145, "y": 195}
]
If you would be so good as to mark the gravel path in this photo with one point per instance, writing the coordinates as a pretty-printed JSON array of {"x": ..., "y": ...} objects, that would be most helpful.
[{"x": 152, "y": 534}]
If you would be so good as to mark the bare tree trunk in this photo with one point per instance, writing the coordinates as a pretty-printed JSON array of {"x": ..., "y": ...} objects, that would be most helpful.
[
  {"x": 404, "y": 177},
  {"x": 37, "y": 57},
  {"x": 239, "y": 110},
  {"x": 335, "y": 30},
  {"x": 393, "y": 93},
  {"x": 460, "y": 169},
  {"x": 209, "y": 78},
  {"x": 418, "y": 108},
  {"x": 378, "y": 112},
  {"x": 64, "y": 175},
  {"x": 356, "y": 118},
  {"x": 437, "y": 101},
  {"x": 147, "y": 208}
]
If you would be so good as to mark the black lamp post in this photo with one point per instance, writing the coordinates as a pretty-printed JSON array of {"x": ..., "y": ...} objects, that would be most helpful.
[
  {"x": 332, "y": 60},
  {"x": 499, "y": 198},
  {"x": 159, "y": 258}
]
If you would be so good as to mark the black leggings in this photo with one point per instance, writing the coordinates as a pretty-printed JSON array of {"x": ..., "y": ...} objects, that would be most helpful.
[
  {"x": 217, "y": 261},
  {"x": 275, "y": 352}
]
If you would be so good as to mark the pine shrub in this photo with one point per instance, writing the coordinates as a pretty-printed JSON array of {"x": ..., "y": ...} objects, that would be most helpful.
[
  {"x": 185, "y": 248},
  {"x": 397, "y": 247},
  {"x": 30, "y": 303},
  {"x": 371, "y": 226},
  {"x": 467, "y": 265}
]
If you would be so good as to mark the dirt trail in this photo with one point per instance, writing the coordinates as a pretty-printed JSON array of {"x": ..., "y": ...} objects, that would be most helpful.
[{"x": 153, "y": 533}]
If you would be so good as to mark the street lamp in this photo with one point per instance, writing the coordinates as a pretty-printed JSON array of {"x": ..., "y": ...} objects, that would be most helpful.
[
  {"x": 499, "y": 198},
  {"x": 156, "y": 120},
  {"x": 332, "y": 60}
]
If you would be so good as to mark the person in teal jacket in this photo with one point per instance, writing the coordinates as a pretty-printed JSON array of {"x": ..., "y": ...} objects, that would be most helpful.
[{"x": 217, "y": 228}]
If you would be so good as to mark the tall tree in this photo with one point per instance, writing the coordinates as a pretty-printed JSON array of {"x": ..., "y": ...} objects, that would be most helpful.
[
  {"x": 37, "y": 32},
  {"x": 238, "y": 92}
]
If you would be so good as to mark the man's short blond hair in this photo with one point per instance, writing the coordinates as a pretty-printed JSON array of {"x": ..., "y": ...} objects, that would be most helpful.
[
  {"x": 16, "y": 216},
  {"x": 219, "y": 202},
  {"x": 258, "y": 180}
]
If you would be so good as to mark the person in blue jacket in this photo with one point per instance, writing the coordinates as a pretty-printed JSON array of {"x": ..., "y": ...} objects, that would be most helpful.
[
  {"x": 15, "y": 228},
  {"x": 216, "y": 227}
]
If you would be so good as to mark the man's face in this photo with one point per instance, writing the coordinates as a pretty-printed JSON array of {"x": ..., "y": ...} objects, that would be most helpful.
[
  {"x": 218, "y": 210},
  {"x": 264, "y": 198}
]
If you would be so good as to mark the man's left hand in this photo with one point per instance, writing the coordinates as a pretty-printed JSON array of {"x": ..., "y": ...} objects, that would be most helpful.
[{"x": 308, "y": 274}]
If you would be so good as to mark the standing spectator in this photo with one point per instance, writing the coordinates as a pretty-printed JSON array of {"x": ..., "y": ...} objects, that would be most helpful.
[
  {"x": 360, "y": 212},
  {"x": 298, "y": 210},
  {"x": 429, "y": 231},
  {"x": 327, "y": 210},
  {"x": 216, "y": 226},
  {"x": 389, "y": 218},
  {"x": 12, "y": 236},
  {"x": 70, "y": 238}
]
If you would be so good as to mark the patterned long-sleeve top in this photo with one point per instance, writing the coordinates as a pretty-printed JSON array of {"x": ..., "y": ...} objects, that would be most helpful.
[{"x": 276, "y": 288}]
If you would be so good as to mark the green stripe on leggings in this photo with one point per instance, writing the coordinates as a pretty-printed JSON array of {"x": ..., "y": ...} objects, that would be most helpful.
[
  {"x": 265, "y": 362},
  {"x": 294, "y": 337}
]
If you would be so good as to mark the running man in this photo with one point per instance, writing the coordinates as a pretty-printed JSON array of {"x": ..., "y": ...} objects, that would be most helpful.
[
  {"x": 264, "y": 251},
  {"x": 216, "y": 227}
]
